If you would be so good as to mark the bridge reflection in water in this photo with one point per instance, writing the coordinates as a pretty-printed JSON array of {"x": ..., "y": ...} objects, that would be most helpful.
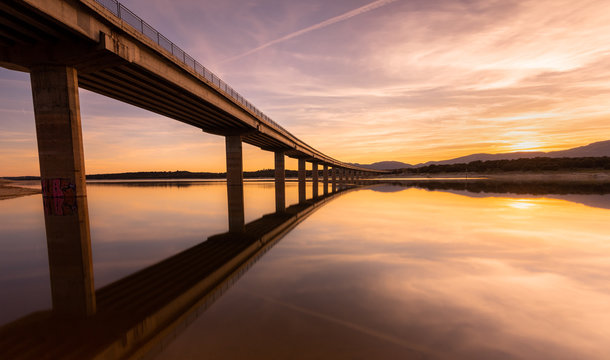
[
  {"x": 139, "y": 314},
  {"x": 65, "y": 45},
  {"x": 93, "y": 44}
]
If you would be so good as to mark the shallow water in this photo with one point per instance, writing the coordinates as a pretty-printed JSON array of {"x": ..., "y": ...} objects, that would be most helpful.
[{"x": 381, "y": 272}]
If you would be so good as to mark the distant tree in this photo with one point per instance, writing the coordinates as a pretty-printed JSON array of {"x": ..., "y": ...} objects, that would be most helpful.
[{"x": 521, "y": 165}]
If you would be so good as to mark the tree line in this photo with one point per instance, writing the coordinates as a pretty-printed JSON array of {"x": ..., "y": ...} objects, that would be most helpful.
[{"x": 516, "y": 165}]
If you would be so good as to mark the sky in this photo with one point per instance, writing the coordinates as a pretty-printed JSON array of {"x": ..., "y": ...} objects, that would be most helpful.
[{"x": 360, "y": 80}]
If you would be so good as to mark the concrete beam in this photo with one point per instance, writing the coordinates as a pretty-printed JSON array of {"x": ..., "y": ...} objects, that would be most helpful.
[
  {"x": 280, "y": 182},
  {"x": 235, "y": 183},
  {"x": 62, "y": 172}
]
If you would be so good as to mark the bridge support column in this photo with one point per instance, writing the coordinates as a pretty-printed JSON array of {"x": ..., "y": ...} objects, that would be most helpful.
[
  {"x": 338, "y": 170},
  {"x": 314, "y": 179},
  {"x": 334, "y": 173},
  {"x": 64, "y": 192},
  {"x": 235, "y": 183},
  {"x": 339, "y": 178},
  {"x": 325, "y": 178},
  {"x": 280, "y": 182},
  {"x": 302, "y": 178}
]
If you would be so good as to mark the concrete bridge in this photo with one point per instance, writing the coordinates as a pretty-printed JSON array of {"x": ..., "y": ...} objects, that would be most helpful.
[{"x": 101, "y": 46}]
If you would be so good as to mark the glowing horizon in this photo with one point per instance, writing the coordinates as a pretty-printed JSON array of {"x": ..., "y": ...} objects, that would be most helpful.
[{"x": 362, "y": 81}]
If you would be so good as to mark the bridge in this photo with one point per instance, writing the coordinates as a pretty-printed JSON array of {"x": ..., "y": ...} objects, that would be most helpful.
[{"x": 101, "y": 46}]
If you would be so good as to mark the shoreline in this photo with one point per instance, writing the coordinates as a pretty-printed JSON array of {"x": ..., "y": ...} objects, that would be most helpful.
[
  {"x": 593, "y": 176},
  {"x": 10, "y": 189},
  {"x": 11, "y": 192}
]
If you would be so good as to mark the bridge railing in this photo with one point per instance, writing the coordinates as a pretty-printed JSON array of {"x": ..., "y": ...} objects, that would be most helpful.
[{"x": 140, "y": 25}]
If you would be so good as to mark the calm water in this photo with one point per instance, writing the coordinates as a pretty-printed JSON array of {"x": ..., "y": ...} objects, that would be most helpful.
[{"x": 385, "y": 272}]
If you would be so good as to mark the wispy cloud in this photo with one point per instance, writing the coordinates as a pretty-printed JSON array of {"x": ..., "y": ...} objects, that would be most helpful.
[{"x": 323, "y": 24}]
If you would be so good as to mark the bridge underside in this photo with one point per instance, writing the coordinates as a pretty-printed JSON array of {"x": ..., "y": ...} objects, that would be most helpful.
[{"x": 29, "y": 39}]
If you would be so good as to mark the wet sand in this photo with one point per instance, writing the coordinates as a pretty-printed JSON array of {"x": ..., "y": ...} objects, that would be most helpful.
[{"x": 9, "y": 191}]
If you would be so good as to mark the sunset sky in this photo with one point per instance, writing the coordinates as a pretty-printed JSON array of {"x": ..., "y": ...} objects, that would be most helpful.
[{"x": 360, "y": 80}]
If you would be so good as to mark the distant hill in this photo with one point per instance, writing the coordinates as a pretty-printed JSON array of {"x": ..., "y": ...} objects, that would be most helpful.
[
  {"x": 385, "y": 165},
  {"x": 601, "y": 148},
  {"x": 597, "y": 149}
]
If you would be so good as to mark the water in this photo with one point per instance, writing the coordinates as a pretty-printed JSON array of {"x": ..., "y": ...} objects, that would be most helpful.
[{"x": 387, "y": 271}]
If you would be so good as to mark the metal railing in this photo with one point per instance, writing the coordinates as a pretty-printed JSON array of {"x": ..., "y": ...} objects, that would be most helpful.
[{"x": 140, "y": 25}]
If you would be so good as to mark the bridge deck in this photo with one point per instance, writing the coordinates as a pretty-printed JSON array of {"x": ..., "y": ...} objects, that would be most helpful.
[{"x": 119, "y": 61}]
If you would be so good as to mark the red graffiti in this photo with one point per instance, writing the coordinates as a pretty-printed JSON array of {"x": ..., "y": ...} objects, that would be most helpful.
[{"x": 59, "y": 197}]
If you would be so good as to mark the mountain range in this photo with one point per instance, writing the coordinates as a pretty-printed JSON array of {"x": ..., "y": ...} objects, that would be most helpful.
[{"x": 600, "y": 148}]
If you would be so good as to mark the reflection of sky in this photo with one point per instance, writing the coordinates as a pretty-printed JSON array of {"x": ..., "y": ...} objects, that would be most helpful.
[
  {"x": 388, "y": 275},
  {"x": 131, "y": 227},
  {"x": 371, "y": 274},
  {"x": 24, "y": 267}
]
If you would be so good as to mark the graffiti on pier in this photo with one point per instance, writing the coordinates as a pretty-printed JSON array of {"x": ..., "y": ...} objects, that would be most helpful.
[{"x": 59, "y": 197}]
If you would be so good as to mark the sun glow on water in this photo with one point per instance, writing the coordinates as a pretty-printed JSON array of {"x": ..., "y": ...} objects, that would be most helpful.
[{"x": 522, "y": 204}]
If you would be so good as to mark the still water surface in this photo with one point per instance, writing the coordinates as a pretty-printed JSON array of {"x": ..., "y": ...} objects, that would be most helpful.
[{"x": 380, "y": 272}]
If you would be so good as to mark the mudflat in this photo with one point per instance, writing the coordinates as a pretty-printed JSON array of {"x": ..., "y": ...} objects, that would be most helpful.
[{"x": 9, "y": 191}]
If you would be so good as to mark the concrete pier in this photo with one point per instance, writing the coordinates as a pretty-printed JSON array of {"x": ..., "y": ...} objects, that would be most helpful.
[
  {"x": 338, "y": 170},
  {"x": 62, "y": 172},
  {"x": 334, "y": 173},
  {"x": 280, "y": 182},
  {"x": 325, "y": 178},
  {"x": 235, "y": 183},
  {"x": 302, "y": 174},
  {"x": 314, "y": 179}
]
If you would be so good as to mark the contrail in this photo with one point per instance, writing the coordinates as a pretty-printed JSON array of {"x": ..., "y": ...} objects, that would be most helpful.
[{"x": 325, "y": 23}]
